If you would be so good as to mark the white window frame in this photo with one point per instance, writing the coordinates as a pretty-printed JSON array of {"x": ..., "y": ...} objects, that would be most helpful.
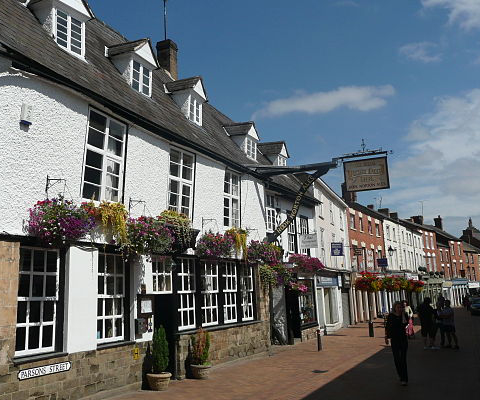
[
  {"x": 332, "y": 219},
  {"x": 27, "y": 325},
  {"x": 162, "y": 275},
  {"x": 352, "y": 221},
  {"x": 270, "y": 212},
  {"x": 69, "y": 39},
  {"x": 251, "y": 148},
  {"x": 182, "y": 182},
  {"x": 247, "y": 289},
  {"x": 116, "y": 298},
  {"x": 282, "y": 161},
  {"x": 186, "y": 293},
  {"x": 231, "y": 199},
  {"x": 140, "y": 81},
  {"x": 107, "y": 158},
  {"x": 209, "y": 277},
  {"x": 340, "y": 218},
  {"x": 292, "y": 233},
  {"x": 195, "y": 110},
  {"x": 303, "y": 230},
  {"x": 230, "y": 292}
]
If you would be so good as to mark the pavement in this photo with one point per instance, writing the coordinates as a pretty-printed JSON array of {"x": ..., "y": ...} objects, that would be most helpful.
[{"x": 351, "y": 365}]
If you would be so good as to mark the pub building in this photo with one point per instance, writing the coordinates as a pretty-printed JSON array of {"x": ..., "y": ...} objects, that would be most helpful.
[{"x": 92, "y": 116}]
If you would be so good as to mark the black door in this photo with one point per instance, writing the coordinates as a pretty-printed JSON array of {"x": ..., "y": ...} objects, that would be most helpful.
[{"x": 165, "y": 314}]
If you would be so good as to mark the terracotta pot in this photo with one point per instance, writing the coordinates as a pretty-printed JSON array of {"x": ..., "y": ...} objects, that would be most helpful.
[
  {"x": 200, "y": 371},
  {"x": 159, "y": 381}
]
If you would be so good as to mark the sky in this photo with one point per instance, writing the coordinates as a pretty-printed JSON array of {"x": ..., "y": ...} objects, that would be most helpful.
[{"x": 325, "y": 74}]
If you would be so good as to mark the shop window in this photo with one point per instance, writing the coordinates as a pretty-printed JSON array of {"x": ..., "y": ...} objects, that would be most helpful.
[
  {"x": 230, "y": 292},
  {"x": 330, "y": 304},
  {"x": 306, "y": 303},
  {"x": 186, "y": 293},
  {"x": 38, "y": 293},
  {"x": 247, "y": 293},
  {"x": 209, "y": 277},
  {"x": 111, "y": 295},
  {"x": 162, "y": 274}
]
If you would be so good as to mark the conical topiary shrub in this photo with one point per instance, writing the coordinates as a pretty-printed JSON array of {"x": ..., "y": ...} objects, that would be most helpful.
[{"x": 159, "y": 379}]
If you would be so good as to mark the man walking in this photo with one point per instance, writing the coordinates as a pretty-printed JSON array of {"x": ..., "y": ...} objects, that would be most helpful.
[
  {"x": 438, "y": 320},
  {"x": 427, "y": 321},
  {"x": 448, "y": 320}
]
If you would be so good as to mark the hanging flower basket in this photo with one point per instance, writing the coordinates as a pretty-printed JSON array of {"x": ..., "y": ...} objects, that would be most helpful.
[
  {"x": 239, "y": 237},
  {"x": 112, "y": 218},
  {"x": 147, "y": 236},
  {"x": 58, "y": 221},
  {"x": 274, "y": 275},
  {"x": 415, "y": 286},
  {"x": 181, "y": 228},
  {"x": 305, "y": 263},
  {"x": 368, "y": 282},
  {"x": 391, "y": 284},
  {"x": 264, "y": 253},
  {"x": 297, "y": 287},
  {"x": 214, "y": 245}
]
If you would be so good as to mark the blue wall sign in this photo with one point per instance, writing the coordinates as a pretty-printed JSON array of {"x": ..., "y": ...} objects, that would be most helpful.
[{"x": 337, "y": 249}]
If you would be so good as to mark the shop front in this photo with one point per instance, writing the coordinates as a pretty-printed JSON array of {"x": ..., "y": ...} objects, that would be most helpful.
[{"x": 330, "y": 300}]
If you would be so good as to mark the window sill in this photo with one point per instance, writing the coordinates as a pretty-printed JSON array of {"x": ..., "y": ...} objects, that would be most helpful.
[
  {"x": 122, "y": 343},
  {"x": 218, "y": 327},
  {"x": 37, "y": 357}
]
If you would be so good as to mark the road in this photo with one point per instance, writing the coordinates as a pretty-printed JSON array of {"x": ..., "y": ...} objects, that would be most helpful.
[{"x": 351, "y": 365}]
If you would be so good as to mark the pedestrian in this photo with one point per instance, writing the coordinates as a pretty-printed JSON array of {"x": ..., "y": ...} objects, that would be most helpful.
[
  {"x": 466, "y": 302},
  {"x": 409, "y": 312},
  {"x": 395, "y": 331},
  {"x": 427, "y": 315},
  {"x": 438, "y": 321},
  {"x": 448, "y": 319}
]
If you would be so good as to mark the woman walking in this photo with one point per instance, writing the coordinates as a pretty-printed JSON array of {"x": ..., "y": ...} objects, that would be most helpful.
[{"x": 397, "y": 321}]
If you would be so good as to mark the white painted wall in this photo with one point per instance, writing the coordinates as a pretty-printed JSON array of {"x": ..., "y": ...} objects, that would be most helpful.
[{"x": 81, "y": 282}]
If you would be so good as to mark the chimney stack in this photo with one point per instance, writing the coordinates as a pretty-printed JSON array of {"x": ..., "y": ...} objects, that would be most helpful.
[
  {"x": 418, "y": 219},
  {"x": 384, "y": 211},
  {"x": 438, "y": 222},
  {"x": 394, "y": 215},
  {"x": 167, "y": 57},
  {"x": 349, "y": 197},
  {"x": 371, "y": 207}
]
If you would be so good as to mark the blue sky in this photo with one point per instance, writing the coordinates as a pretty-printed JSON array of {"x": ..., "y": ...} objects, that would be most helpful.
[{"x": 322, "y": 75}]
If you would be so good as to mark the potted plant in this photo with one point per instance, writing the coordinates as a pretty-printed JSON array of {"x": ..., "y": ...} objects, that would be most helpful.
[
  {"x": 200, "y": 348},
  {"x": 159, "y": 379}
]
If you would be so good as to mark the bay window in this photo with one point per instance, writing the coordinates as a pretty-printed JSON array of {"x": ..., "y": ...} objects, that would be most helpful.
[{"x": 186, "y": 293}]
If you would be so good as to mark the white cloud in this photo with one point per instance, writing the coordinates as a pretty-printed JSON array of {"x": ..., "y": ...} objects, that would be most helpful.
[
  {"x": 443, "y": 162},
  {"x": 360, "y": 98},
  {"x": 464, "y": 12},
  {"x": 421, "y": 51}
]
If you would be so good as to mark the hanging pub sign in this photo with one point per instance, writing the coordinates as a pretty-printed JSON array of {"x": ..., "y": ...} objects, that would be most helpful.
[
  {"x": 308, "y": 241},
  {"x": 367, "y": 174},
  {"x": 357, "y": 251},
  {"x": 382, "y": 262},
  {"x": 337, "y": 249}
]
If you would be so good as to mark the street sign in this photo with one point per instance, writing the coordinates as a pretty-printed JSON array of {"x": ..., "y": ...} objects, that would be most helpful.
[
  {"x": 382, "y": 262},
  {"x": 308, "y": 241},
  {"x": 337, "y": 249},
  {"x": 368, "y": 174}
]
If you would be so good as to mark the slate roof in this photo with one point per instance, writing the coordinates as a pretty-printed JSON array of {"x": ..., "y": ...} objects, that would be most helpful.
[
  {"x": 183, "y": 84},
  {"x": 468, "y": 247},
  {"x": 32, "y": 48},
  {"x": 272, "y": 147},
  {"x": 442, "y": 232},
  {"x": 125, "y": 47},
  {"x": 239, "y": 128}
]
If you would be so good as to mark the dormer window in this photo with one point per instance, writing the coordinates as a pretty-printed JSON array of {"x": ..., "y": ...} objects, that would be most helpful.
[
  {"x": 189, "y": 94},
  {"x": 282, "y": 161},
  {"x": 251, "y": 148},
  {"x": 69, "y": 32},
  {"x": 195, "y": 113},
  {"x": 65, "y": 20},
  {"x": 141, "y": 78}
]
